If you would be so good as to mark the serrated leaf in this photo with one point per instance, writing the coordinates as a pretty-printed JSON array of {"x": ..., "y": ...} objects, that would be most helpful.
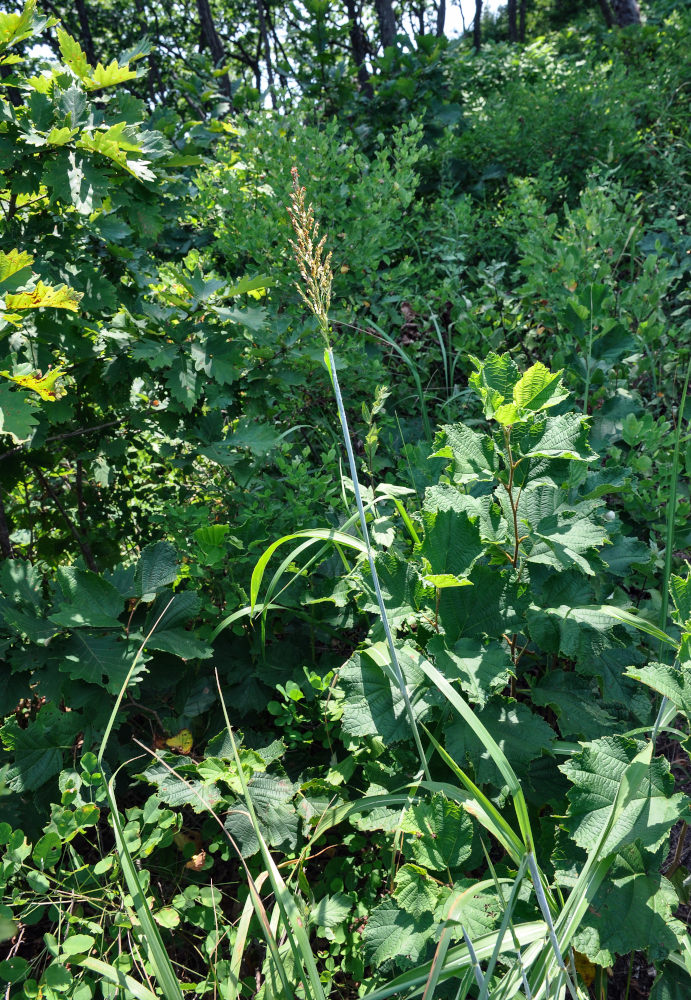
[
  {"x": 374, "y": 705},
  {"x": 38, "y": 749},
  {"x": 176, "y": 793},
  {"x": 331, "y": 911},
  {"x": 563, "y": 436},
  {"x": 157, "y": 568},
  {"x": 104, "y": 660},
  {"x": 474, "y": 456},
  {"x": 391, "y": 933},
  {"x": 482, "y": 670},
  {"x": 596, "y": 773},
  {"x": 89, "y": 600},
  {"x": 576, "y": 703},
  {"x": 538, "y": 389},
  {"x": 18, "y": 416},
  {"x": 15, "y": 270},
  {"x": 415, "y": 892},
  {"x": 278, "y": 820},
  {"x": 451, "y": 543},
  {"x": 73, "y": 54},
  {"x": 494, "y": 381},
  {"x": 73, "y": 178},
  {"x": 401, "y": 585},
  {"x": 43, "y": 385},
  {"x": 109, "y": 76},
  {"x": 180, "y": 643},
  {"x": 116, "y": 144},
  {"x": 44, "y": 297},
  {"x": 522, "y": 736},
  {"x": 442, "y": 833},
  {"x": 673, "y": 683},
  {"x": 632, "y": 911}
]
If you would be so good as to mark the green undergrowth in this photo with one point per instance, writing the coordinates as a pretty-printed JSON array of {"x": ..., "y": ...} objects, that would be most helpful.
[{"x": 409, "y": 718}]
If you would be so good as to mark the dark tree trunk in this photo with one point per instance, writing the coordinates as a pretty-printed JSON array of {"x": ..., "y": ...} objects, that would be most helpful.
[
  {"x": 5, "y": 543},
  {"x": 359, "y": 47},
  {"x": 441, "y": 18},
  {"x": 267, "y": 50},
  {"x": 522, "y": 10},
  {"x": 85, "y": 31},
  {"x": 607, "y": 13},
  {"x": 387, "y": 22},
  {"x": 626, "y": 12},
  {"x": 211, "y": 38},
  {"x": 477, "y": 25},
  {"x": 511, "y": 11}
]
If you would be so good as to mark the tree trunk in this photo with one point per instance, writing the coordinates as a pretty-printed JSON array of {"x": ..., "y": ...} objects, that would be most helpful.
[
  {"x": 267, "y": 51},
  {"x": 522, "y": 10},
  {"x": 511, "y": 11},
  {"x": 477, "y": 25},
  {"x": 441, "y": 18},
  {"x": 387, "y": 22},
  {"x": 359, "y": 47},
  {"x": 607, "y": 13},
  {"x": 85, "y": 31},
  {"x": 211, "y": 38},
  {"x": 626, "y": 12}
]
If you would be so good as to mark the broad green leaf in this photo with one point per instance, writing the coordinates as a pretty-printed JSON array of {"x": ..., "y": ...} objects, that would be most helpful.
[
  {"x": 494, "y": 381},
  {"x": 596, "y": 773},
  {"x": 490, "y": 607},
  {"x": 442, "y": 833},
  {"x": 538, "y": 389},
  {"x": 482, "y": 670},
  {"x": 522, "y": 737},
  {"x": 331, "y": 911},
  {"x": 74, "y": 178},
  {"x": 576, "y": 702},
  {"x": 451, "y": 543},
  {"x": 278, "y": 819},
  {"x": 104, "y": 660},
  {"x": 115, "y": 144},
  {"x": 632, "y": 911},
  {"x": 673, "y": 683},
  {"x": 181, "y": 643},
  {"x": 680, "y": 590},
  {"x": 89, "y": 600},
  {"x": 415, "y": 891},
  {"x": 73, "y": 54},
  {"x": 402, "y": 587},
  {"x": 44, "y": 386},
  {"x": 38, "y": 749},
  {"x": 374, "y": 705},
  {"x": 391, "y": 933},
  {"x": 18, "y": 416},
  {"x": 157, "y": 568},
  {"x": 564, "y": 436},
  {"x": 109, "y": 76},
  {"x": 474, "y": 456}
]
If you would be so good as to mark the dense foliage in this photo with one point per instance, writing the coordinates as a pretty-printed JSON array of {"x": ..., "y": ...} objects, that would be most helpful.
[{"x": 292, "y": 710}]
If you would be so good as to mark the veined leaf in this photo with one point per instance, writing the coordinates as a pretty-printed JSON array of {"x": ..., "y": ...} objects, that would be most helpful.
[
  {"x": 596, "y": 772},
  {"x": 44, "y": 385},
  {"x": 44, "y": 297},
  {"x": 15, "y": 269}
]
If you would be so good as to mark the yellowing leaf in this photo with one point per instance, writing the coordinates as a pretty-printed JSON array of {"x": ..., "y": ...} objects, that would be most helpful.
[
  {"x": 585, "y": 969},
  {"x": 109, "y": 76},
  {"x": 13, "y": 262},
  {"x": 114, "y": 144},
  {"x": 59, "y": 136},
  {"x": 45, "y": 296},
  {"x": 43, "y": 385},
  {"x": 182, "y": 742},
  {"x": 73, "y": 54}
]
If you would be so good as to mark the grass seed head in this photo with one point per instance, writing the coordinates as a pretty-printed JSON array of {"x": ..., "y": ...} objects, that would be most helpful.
[{"x": 313, "y": 264}]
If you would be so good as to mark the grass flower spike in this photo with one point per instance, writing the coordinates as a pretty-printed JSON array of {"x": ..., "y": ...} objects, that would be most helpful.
[{"x": 315, "y": 268}]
